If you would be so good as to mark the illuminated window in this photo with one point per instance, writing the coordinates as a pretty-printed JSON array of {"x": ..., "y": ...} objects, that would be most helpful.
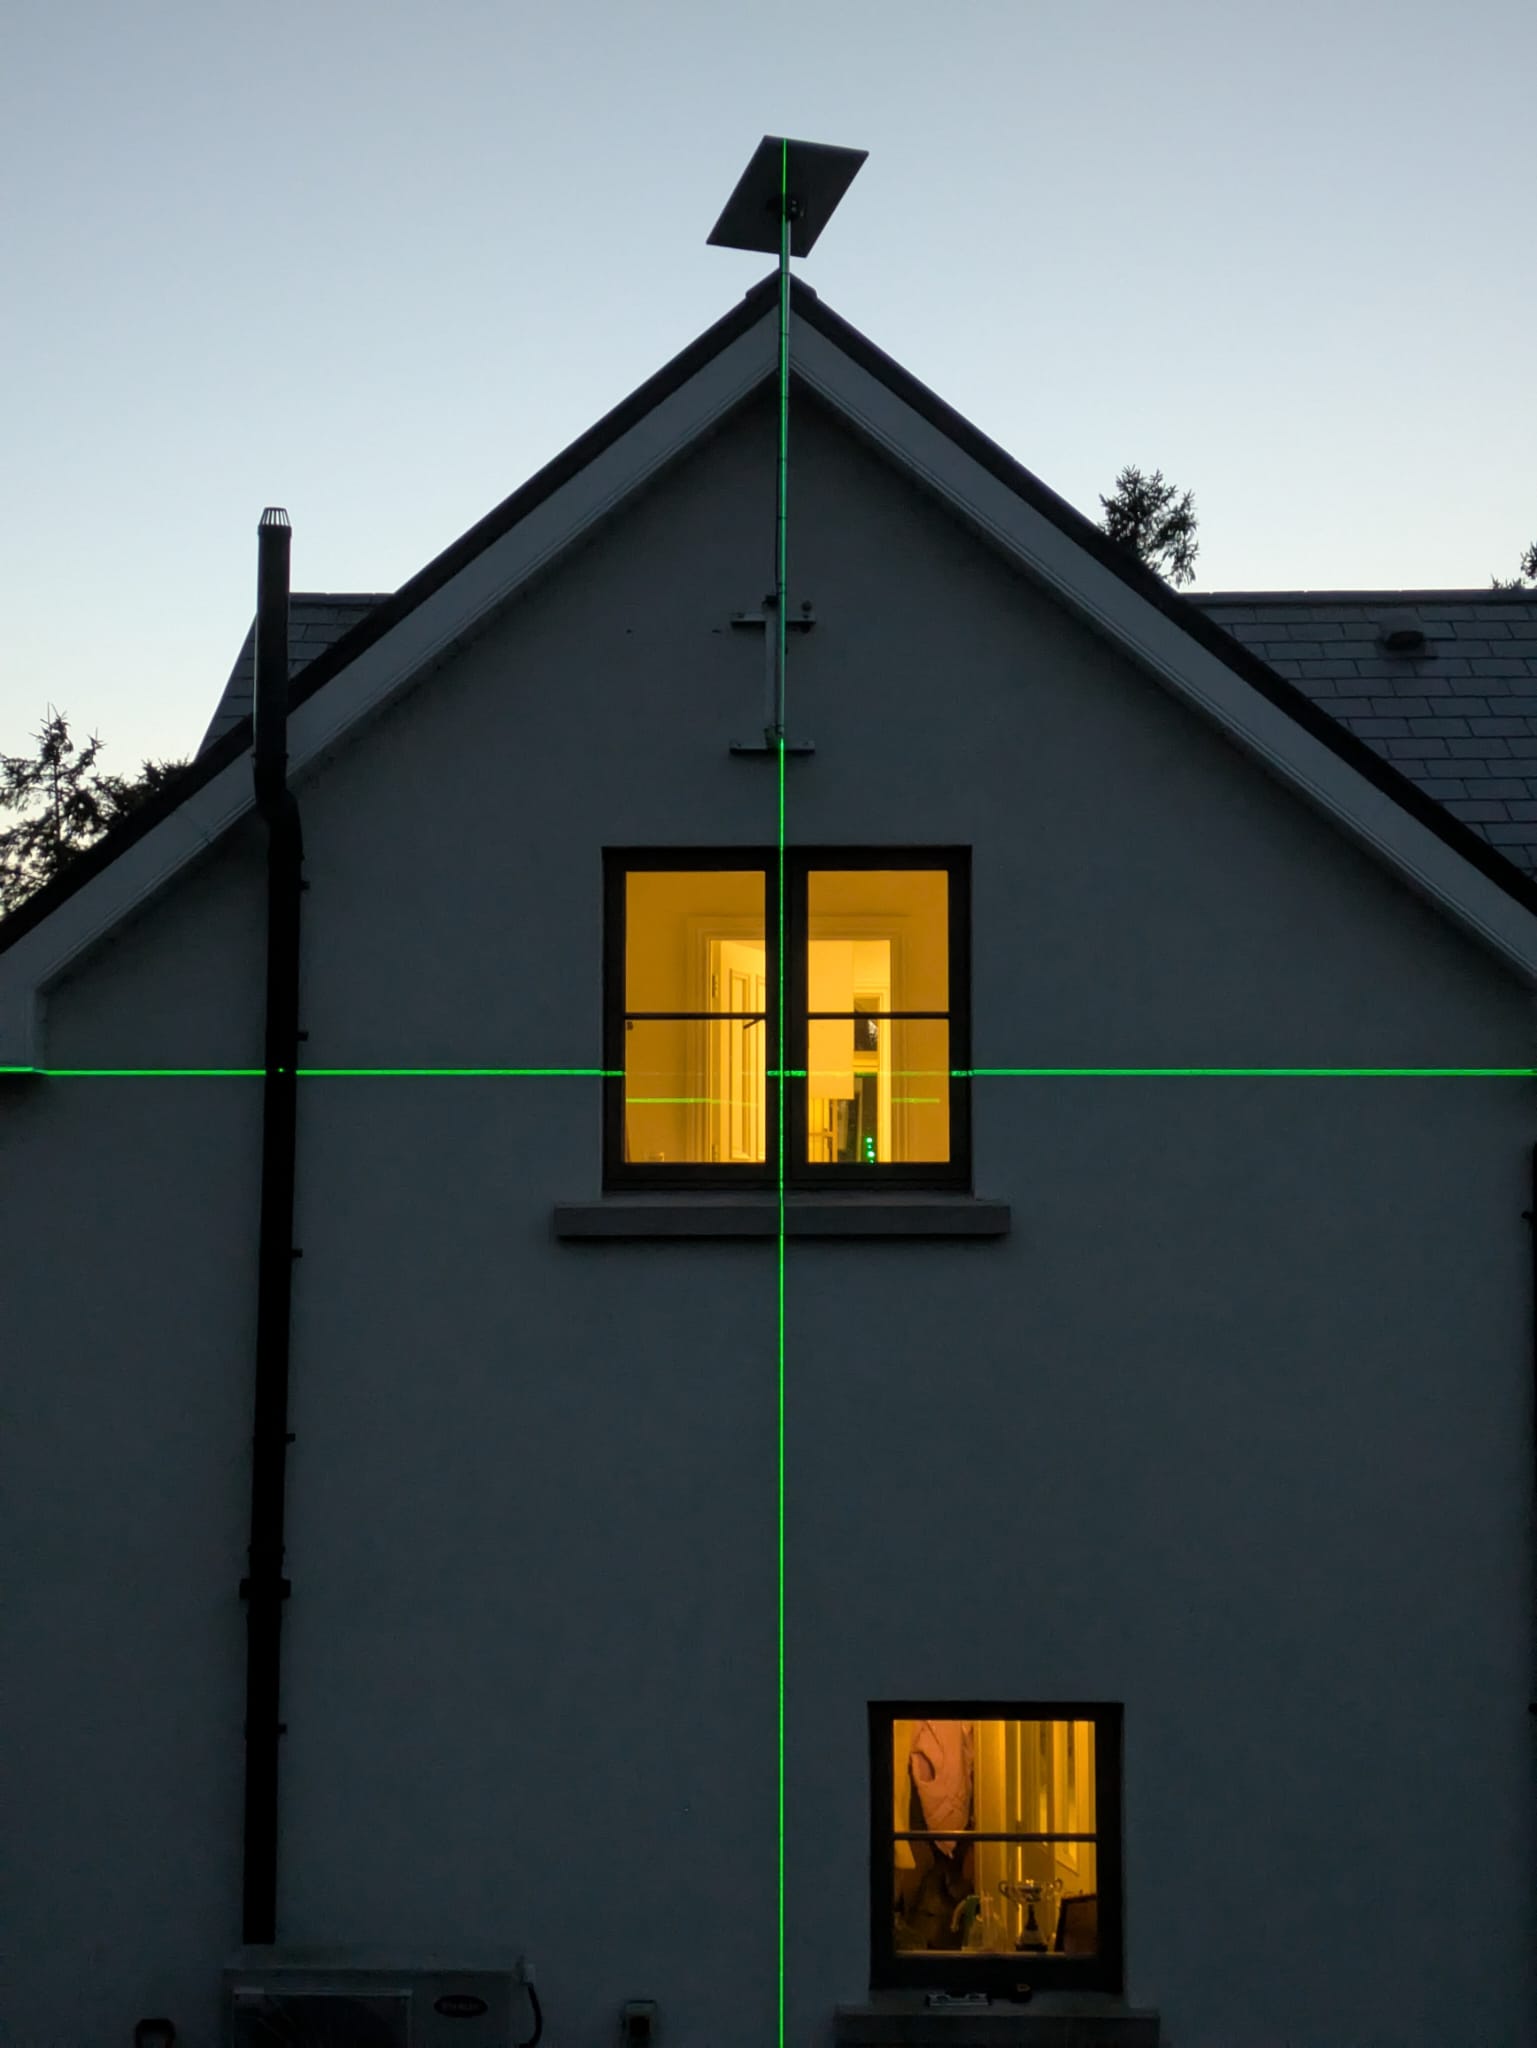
[
  {"x": 696, "y": 1016},
  {"x": 875, "y": 979},
  {"x": 878, "y": 1016},
  {"x": 995, "y": 1845}
]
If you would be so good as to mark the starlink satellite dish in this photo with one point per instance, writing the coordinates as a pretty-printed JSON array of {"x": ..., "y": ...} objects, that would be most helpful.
[{"x": 813, "y": 176}]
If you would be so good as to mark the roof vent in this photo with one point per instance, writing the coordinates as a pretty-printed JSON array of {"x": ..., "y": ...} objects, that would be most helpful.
[{"x": 1401, "y": 633}]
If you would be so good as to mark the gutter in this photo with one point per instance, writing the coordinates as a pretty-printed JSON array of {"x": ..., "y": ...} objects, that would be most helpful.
[{"x": 265, "y": 1588}]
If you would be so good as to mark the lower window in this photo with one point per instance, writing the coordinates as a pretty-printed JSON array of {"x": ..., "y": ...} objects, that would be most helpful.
[{"x": 995, "y": 1845}]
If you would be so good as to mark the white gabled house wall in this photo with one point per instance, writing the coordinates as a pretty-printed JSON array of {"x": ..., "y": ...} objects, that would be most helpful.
[
  {"x": 1234, "y": 1427},
  {"x": 681, "y": 418}
]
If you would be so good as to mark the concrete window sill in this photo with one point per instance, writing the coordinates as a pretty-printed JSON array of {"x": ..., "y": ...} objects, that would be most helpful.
[
  {"x": 1052, "y": 2019},
  {"x": 696, "y": 1216}
]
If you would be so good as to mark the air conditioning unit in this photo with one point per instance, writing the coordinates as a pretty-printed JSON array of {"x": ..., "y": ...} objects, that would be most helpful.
[{"x": 372, "y": 1998}]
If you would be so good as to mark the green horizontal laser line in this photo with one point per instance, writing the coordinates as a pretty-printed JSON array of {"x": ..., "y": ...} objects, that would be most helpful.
[
  {"x": 672, "y": 1101},
  {"x": 890, "y": 1073},
  {"x": 140, "y": 1073},
  {"x": 987, "y": 1073},
  {"x": 314, "y": 1073}
]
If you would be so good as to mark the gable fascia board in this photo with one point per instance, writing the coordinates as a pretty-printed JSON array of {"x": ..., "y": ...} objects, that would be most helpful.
[
  {"x": 448, "y": 616},
  {"x": 1110, "y": 607},
  {"x": 451, "y": 614},
  {"x": 47, "y": 952}
]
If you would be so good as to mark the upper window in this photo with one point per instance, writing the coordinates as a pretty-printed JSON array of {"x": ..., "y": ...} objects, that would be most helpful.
[
  {"x": 875, "y": 985},
  {"x": 995, "y": 1845}
]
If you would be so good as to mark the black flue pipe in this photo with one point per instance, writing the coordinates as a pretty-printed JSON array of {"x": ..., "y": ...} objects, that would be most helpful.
[{"x": 265, "y": 1588}]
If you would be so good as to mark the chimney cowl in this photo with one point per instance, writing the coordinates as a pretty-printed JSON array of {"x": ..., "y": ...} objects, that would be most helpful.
[{"x": 270, "y": 683}]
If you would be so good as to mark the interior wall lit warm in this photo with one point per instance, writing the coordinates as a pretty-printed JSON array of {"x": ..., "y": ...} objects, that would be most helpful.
[
  {"x": 877, "y": 1088},
  {"x": 954, "y": 1778}
]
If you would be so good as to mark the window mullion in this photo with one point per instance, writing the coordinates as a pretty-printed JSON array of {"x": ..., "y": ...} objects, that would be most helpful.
[{"x": 794, "y": 1059}]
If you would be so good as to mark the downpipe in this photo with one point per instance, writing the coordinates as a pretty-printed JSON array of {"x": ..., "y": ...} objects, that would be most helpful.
[{"x": 265, "y": 1588}]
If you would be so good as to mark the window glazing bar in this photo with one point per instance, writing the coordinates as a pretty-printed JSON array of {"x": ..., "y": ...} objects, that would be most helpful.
[{"x": 962, "y": 1833}]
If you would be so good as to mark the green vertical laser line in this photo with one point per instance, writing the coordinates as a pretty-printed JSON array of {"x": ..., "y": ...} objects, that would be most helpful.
[{"x": 779, "y": 738}]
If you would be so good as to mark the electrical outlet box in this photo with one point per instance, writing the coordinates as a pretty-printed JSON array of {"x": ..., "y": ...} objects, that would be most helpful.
[{"x": 637, "y": 2023}]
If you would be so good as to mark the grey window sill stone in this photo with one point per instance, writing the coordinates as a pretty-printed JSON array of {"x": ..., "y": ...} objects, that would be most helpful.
[
  {"x": 1052, "y": 2019},
  {"x": 696, "y": 1216}
]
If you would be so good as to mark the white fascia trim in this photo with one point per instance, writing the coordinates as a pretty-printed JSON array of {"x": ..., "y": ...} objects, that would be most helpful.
[
  {"x": 1186, "y": 669},
  {"x": 422, "y": 638},
  {"x": 48, "y": 951}
]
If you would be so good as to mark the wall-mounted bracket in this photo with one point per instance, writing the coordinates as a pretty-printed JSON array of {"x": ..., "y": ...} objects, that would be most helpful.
[
  {"x": 803, "y": 624},
  {"x": 766, "y": 617}
]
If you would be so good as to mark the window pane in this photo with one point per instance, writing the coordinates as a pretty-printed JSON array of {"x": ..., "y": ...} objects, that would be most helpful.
[
  {"x": 690, "y": 937},
  {"x": 694, "y": 1092},
  {"x": 877, "y": 1091},
  {"x": 879, "y": 932},
  {"x": 1036, "y": 1777}
]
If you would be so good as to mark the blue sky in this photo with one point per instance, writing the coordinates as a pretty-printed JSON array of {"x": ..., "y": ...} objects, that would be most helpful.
[{"x": 379, "y": 263}]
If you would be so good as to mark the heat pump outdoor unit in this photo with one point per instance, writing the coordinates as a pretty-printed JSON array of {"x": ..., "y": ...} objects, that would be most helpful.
[{"x": 368, "y": 1998}]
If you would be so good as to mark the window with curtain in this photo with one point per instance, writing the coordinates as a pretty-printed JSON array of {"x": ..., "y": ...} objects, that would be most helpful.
[{"x": 995, "y": 1844}]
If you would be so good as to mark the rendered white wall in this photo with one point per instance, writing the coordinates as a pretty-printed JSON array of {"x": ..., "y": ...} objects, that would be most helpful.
[{"x": 1262, "y": 1347}]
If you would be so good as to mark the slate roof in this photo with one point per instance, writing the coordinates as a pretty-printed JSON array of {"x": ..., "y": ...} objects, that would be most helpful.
[
  {"x": 315, "y": 620},
  {"x": 1458, "y": 714}
]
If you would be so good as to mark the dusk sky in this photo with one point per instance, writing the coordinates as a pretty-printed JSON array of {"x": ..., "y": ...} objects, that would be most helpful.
[{"x": 380, "y": 263}]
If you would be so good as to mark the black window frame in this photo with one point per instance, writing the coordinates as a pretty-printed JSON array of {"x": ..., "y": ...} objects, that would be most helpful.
[
  {"x": 894, "y": 1969},
  {"x": 630, "y": 1176}
]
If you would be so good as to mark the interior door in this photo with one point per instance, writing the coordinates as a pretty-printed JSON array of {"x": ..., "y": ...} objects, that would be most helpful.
[
  {"x": 738, "y": 1060},
  {"x": 848, "y": 1087}
]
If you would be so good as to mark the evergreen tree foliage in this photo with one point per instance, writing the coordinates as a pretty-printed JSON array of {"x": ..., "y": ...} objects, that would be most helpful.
[
  {"x": 64, "y": 804},
  {"x": 1146, "y": 516},
  {"x": 1526, "y": 574}
]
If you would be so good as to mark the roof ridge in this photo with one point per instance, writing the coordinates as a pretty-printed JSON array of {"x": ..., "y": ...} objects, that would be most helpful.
[{"x": 1187, "y": 611}]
